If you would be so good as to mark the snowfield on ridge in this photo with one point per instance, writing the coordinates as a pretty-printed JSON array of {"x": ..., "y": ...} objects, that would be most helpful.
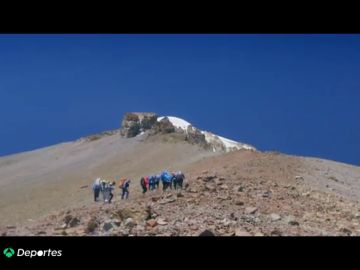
[{"x": 228, "y": 145}]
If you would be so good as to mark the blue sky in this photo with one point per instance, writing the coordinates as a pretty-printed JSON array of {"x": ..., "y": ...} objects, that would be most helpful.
[{"x": 297, "y": 94}]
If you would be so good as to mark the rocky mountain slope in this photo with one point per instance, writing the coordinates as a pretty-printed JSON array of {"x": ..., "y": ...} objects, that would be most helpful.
[
  {"x": 230, "y": 188},
  {"x": 48, "y": 179},
  {"x": 242, "y": 193}
]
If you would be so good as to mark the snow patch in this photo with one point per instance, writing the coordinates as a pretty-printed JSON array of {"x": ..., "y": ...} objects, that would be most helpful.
[
  {"x": 228, "y": 143},
  {"x": 210, "y": 138},
  {"x": 177, "y": 122}
]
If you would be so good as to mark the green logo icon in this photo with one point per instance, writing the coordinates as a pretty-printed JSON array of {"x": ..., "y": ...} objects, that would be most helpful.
[{"x": 9, "y": 252}]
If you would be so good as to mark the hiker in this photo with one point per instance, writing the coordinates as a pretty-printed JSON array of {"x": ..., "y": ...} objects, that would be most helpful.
[
  {"x": 121, "y": 182},
  {"x": 125, "y": 189},
  {"x": 143, "y": 184},
  {"x": 157, "y": 181},
  {"x": 179, "y": 179},
  {"x": 108, "y": 190},
  {"x": 151, "y": 182},
  {"x": 166, "y": 179},
  {"x": 172, "y": 180},
  {"x": 103, "y": 184},
  {"x": 96, "y": 188},
  {"x": 147, "y": 181}
]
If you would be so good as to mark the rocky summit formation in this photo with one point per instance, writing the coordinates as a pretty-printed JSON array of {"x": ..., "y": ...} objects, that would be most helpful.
[{"x": 134, "y": 124}]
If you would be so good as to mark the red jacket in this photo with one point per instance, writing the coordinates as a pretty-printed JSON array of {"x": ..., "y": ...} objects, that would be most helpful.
[{"x": 146, "y": 178}]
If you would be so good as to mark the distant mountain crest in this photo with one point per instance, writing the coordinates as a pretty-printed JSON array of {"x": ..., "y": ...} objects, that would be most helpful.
[{"x": 134, "y": 124}]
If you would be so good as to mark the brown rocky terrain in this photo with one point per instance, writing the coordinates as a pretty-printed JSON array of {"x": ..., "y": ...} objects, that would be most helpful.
[
  {"x": 230, "y": 187},
  {"x": 242, "y": 193},
  {"x": 32, "y": 184}
]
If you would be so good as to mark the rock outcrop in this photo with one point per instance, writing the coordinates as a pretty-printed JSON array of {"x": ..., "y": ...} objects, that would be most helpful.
[
  {"x": 164, "y": 126},
  {"x": 194, "y": 136},
  {"x": 135, "y": 123}
]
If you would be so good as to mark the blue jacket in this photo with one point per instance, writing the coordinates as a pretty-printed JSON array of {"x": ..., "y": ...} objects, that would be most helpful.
[
  {"x": 126, "y": 185},
  {"x": 152, "y": 180},
  {"x": 166, "y": 177}
]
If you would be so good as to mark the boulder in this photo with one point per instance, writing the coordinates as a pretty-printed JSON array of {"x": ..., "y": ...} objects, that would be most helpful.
[
  {"x": 238, "y": 202},
  {"x": 155, "y": 198},
  {"x": 135, "y": 214},
  {"x": 129, "y": 222},
  {"x": 250, "y": 210},
  {"x": 151, "y": 223},
  {"x": 91, "y": 225},
  {"x": 207, "y": 178},
  {"x": 162, "y": 222},
  {"x": 210, "y": 187},
  {"x": 193, "y": 190},
  {"x": 108, "y": 226},
  {"x": 169, "y": 200},
  {"x": 241, "y": 232},
  {"x": 266, "y": 194},
  {"x": 67, "y": 219},
  {"x": 223, "y": 197},
  {"x": 275, "y": 217},
  {"x": 291, "y": 221},
  {"x": 116, "y": 222},
  {"x": 345, "y": 230},
  {"x": 218, "y": 181},
  {"x": 223, "y": 186},
  {"x": 275, "y": 232},
  {"x": 74, "y": 222},
  {"x": 238, "y": 189},
  {"x": 207, "y": 233}
]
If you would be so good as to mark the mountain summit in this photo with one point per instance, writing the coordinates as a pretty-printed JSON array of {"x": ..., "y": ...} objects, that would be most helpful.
[{"x": 135, "y": 124}]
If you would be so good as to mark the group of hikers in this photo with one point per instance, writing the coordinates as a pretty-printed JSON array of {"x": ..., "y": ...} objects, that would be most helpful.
[
  {"x": 106, "y": 187},
  {"x": 169, "y": 180}
]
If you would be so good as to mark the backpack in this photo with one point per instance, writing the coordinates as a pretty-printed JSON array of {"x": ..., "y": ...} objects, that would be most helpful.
[
  {"x": 167, "y": 177},
  {"x": 122, "y": 181}
]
